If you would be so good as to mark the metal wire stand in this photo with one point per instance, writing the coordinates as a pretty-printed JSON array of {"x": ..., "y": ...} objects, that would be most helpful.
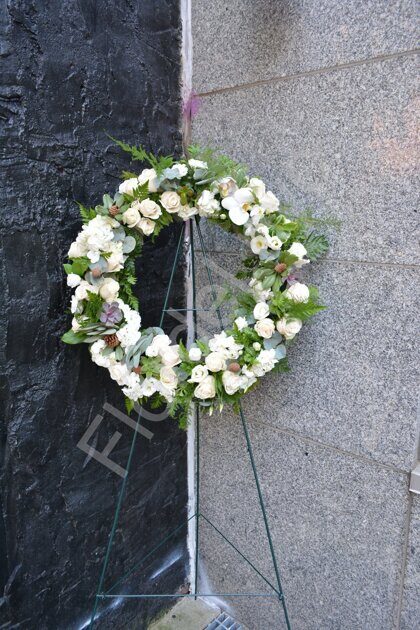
[{"x": 276, "y": 590}]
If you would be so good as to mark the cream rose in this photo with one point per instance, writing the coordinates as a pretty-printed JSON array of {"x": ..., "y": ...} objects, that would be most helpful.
[
  {"x": 168, "y": 377},
  {"x": 194, "y": 354},
  {"x": 215, "y": 362},
  {"x": 150, "y": 209},
  {"x": 198, "y": 374},
  {"x": 171, "y": 201},
  {"x": 206, "y": 389},
  {"x": 170, "y": 356},
  {"x": 288, "y": 328},
  {"x": 132, "y": 215},
  {"x": 261, "y": 310},
  {"x": 128, "y": 186},
  {"x": 147, "y": 226},
  {"x": 298, "y": 292},
  {"x": 232, "y": 382},
  {"x": 265, "y": 328},
  {"x": 109, "y": 289},
  {"x": 76, "y": 250}
]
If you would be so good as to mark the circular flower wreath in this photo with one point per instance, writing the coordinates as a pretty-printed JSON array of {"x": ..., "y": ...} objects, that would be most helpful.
[{"x": 145, "y": 363}]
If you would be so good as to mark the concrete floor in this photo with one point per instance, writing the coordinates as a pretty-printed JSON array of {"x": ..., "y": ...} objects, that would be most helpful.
[{"x": 188, "y": 614}]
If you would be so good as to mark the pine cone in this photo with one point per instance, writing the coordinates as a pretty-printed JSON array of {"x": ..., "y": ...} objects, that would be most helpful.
[
  {"x": 96, "y": 272},
  {"x": 280, "y": 267},
  {"x": 112, "y": 341},
  {"x": 234, "y": 367},
  {"x": 113, "y": 210}
]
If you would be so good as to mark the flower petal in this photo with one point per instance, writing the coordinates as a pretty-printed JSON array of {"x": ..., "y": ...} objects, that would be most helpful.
[
  {"x": 244, "y": 195},
  {"x": 229, "y": 203},
  {"x": 238, "y": 216}
]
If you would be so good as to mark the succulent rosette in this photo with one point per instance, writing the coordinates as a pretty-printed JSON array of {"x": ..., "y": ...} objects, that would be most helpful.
[{"x": 145, "y": 363}]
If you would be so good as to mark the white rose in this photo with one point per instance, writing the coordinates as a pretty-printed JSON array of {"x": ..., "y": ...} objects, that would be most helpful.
[
  {"x": 265, "y": 328},
  {"x": 198, "y": 374},
  {"x": 197, "y": 164},
  {"x": 274, "y": 243},
  {"x": 232, "y": 382},
  {"x": 159, "y": 344},
  {"x": 73, "y": 280},
  {"x": 176, "y": 171},
  {"x": 132, "y": 216},
  {"x": 149, "y": 175},
  {"x": 76, "y": 250},
  {"x": 206, "y": 389},
  {"x": 288, "y": 328},
  {"x": 241, "y": 323},
  {"x": 119, "y": 373},
  {"x": 215, "y": 362},
  {"x": 261, "y": 310},
  {"x": 147, "y": 226},
  {"x": 298, "y": 292},
  {"x": 257, "y": 186},
  {"x": 168, "y": 377},
  {"x": 150, "y": 209},
  {"x": 194, "y": 354},
  {"x": 128, "y": 186},
  {"x": 81, "y": 292},
  {"x": 171, "y": 201},
  {"x": 109, "y": 289},
  {"x": 258, "y": 243},
  {"x": 298, "y": 250},
  {"x": 170, "y": 356},
  {"x": 207, "y": 204},
  {"x": 185, "y": 212},
  {"x": 269, "y": 202}
]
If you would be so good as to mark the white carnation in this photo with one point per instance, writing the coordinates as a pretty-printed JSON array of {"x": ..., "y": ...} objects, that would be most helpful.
[
  {"x": 206, "y": 203},
  {"x": 241, "y": 323},
  {"x": 298, "y": 292},
  {"x": 128, "y": 335},
  {"x": 73, "y": 280}
]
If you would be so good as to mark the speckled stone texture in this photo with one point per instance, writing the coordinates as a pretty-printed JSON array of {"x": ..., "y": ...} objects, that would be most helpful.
[
  {"x": 73, "y": 72},
  {"x": 243, "y": 41},
  {"x": 336, "y": 438}
]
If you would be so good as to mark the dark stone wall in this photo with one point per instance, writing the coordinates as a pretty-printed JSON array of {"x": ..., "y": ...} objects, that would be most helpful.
[{"x": 71, "y": 71}]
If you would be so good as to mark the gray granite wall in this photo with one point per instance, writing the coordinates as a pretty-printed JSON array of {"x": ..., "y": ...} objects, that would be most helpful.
[{"x": 319, "y": 98}]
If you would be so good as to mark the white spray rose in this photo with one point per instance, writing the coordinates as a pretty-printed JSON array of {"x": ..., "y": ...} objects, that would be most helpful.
[
  {"x": 171, "y": 201},
  {"x": 147, "y": 226},
  {"x": 288, "y": 328},
  {"x": 198, "y": 374},
  {"x": 233, "y": 382},
  {"x": 194, "y": 354},
  {"x": 73, "y": 280},
  {"x": 298, "y": 292},
  {"x": 132, "y": 215},
  {"x": 170, "y": 356},
  {"x": 258, "y": 243},
  {"x": 257, "y": 186},
  {"x": 215, "y": 362},
  {"x": 109, "y": 289},
  {"x": 241, "y": 323},
  {"x": 150, "y": 209},
  {"x": 298, "y": 250},
  {"x": 206, "y": 389},
  {"x": 128, "y": 186},
  {"x": 265, "y": 328},
  {"x": 269, "y": 202},
  {"x": 149, "y": 175},
  {"x": 261, "y": 310}
]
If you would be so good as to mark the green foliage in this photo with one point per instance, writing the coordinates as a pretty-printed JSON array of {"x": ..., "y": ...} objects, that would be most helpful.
[
  {"x": 78, "y": 266},
  {"x": 159, "y": 163},
  {"x": 73, "y": 338},
  {"x": 93, "y": 306},
  {"x": 150, "y": 366},
  {"x": 87, "y": 214},
  {"x": 316, "y": 245},
  {"x": 129, "y": 404},
  {"x": 127, "y": 279},
  {"x": 281, "y": 306},
  {"x": 179, "y": 408},
  {"x": 219, "y": 165}
]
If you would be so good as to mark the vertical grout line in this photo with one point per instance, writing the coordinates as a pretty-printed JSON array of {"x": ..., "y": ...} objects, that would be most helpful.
[
  {"x": 406, "y": 541},
  {"x": 186, "y": 87}
]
